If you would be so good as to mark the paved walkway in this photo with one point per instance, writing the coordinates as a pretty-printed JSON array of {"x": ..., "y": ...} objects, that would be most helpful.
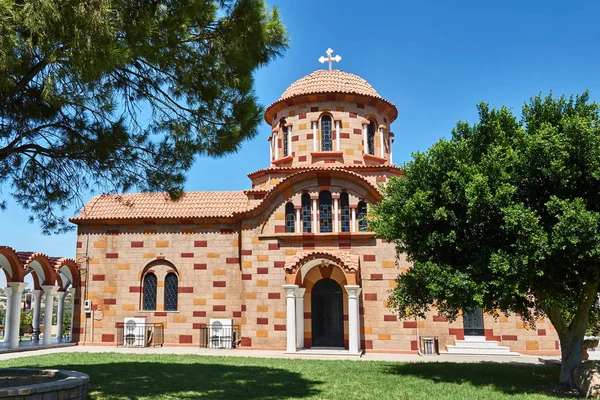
[{"x": 276, "y": 354}]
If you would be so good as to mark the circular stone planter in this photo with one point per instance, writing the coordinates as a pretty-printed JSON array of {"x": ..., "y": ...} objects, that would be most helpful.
[{"x": 41, "y": 384}]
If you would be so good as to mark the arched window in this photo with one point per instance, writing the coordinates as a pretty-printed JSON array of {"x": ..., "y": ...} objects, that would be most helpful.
[
  {"x": 345, "y": 210},
  {"x": 326, "y": 135},
  {"x": 150, "y": 292},
  {"x": 285, "y": 141},
  {"x": 171, "y": 291},
  {"x": 290, "y": 218},
  {"x": 325, "y": 211},
  {"x": 306, "y": 215},
  {"x": 362, "y": 216},
  {"x": 371, "y": 137}
]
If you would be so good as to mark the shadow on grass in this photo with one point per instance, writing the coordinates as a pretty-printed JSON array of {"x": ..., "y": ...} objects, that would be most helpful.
[
  {"x": 509, "y": 378},
  {"x": 192, "y": 381}
]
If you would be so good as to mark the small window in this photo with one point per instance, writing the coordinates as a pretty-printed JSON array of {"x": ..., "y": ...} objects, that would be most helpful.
[
  {"x": 345, "y": 211},
  {"x": 325, "y": 214},
  {"x": 371, "y": 137},
  {"x": 290, "y": 218},
  {"x": 326, "y": 134},
  {"x": 171, "y": 292},
  {"x": 362, "y": 216},
  {"x": 285, "y": 141},
  {"x": 306, "y": 214},
  {"x": 149, "y": 292}
]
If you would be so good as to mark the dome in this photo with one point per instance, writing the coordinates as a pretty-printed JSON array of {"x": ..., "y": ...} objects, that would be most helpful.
[
  {"x": 324, "y": 81},
  {"x": 322, "y": 84}
]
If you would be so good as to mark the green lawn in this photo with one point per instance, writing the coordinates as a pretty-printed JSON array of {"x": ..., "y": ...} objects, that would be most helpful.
[{"x": 115, "y": 376}]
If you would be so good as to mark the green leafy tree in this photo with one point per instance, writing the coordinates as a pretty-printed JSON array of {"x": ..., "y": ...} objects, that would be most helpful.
[
  {"x": 504, "y": 216},
  {"x": 112, "y": 95}
]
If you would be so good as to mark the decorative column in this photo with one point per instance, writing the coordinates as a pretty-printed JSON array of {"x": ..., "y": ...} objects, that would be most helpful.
[
  {"x": 337, "y": 134},
  {"x": 298, "y": 219},
  {"x": 381, "y": 147},
  {"x": 365, "y": 124},
  {"x": 353, "y": 224},
  {"x": 391, "y": 135},
  {"x": 276, "y": 143},
  {"x": 353, "y": 318},
  {"x": 12, "y": 330},
  {"x": 315, "y": 213},
  {"x": 336, "y": 201},
  {"x": 300, "y": 317},
  {"x": 49, "y": 292},
  {"x": 290, "y": 293},
  {"x": 60, "y": 313},
  {"x": 37, "y": 305},
  {"x": 314, "y": 126},
  {"x": 72, "y": 290},
  {"x": 270, "y": 151}
]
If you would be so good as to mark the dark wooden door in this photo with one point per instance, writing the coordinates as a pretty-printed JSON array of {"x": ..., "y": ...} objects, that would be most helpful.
[
  {"x": 327, "y": 309},
  {"x": 473, "y": 322}
]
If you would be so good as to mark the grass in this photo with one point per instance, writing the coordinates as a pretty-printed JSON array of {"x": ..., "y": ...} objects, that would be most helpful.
[{"x": 129, "y": 376}]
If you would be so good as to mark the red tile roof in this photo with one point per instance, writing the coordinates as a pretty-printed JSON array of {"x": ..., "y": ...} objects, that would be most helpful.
[
  {"x": 159, "y": 205},
  {"x": 324, "y": 81}
]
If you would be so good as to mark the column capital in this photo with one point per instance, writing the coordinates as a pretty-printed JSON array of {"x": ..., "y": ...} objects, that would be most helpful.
[
  {"x": 300, "y": 292},
  {"x": 290, "y": 290},
  {"x": 37, "y": 293},
  {"x": 50, "y": 290},
  {"x": 353, "y": 291},
  {"x": 72, "y": 290},
  {"x": 17, "y": 286},
  {"x": 61, "y": 294}
]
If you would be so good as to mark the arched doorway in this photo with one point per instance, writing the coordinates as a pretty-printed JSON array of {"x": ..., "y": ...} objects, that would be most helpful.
[{"x": 327, "y": 309}]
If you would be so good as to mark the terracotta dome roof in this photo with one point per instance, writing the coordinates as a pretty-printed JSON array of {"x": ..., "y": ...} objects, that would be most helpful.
[{"x": 324, "y": 81}]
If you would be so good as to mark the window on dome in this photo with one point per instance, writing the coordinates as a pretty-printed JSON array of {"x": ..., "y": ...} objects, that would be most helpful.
[
  {"x": 285, "y": 141},
  {"x": 150, "y": 291},
  {"x": 290, "y": 218},
  {"x": 362, "y": 217},
  {"x": 326, "y": 133},
  {"x": 371, "y": 137},
  {"x": 325, "y": 214},
  {"x": 306, "y": 214},
  {"x": 171, "y": 292},
  {"x": 345, "y": 211}
]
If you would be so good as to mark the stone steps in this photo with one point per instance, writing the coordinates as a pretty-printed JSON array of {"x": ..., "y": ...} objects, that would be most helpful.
[{"x": 478, "y": 345}]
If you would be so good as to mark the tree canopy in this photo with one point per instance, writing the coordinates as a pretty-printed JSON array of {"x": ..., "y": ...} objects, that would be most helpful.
[
  {"x": 111, "y": 95},
  {"x": 505, "y": 216}
]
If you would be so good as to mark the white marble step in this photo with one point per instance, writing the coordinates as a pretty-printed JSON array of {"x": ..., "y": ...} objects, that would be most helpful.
[
  {"x": 475, "y": 339},
  {"x": 481, "y": 351},
  {"x": 467, "y": 343}
]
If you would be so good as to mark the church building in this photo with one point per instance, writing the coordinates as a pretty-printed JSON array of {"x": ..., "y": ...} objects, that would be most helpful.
[{"x": 288, "y": 261}]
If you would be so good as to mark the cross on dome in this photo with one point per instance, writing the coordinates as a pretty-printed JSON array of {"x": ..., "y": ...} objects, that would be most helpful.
[{"x": 329, "y": 59}]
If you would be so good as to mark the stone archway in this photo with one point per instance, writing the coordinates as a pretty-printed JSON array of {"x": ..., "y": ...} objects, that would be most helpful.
[{"x": 304, "y": 271}]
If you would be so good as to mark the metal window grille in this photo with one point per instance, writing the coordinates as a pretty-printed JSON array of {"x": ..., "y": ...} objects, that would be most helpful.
[
  {"x": 325, "y": 212},
  {"x": 171, "y": 292},
  {"x": 345, "y": 211},
  {"x": 326, "y": 136},
  {"x": 371, "y": 138},
  {"x": 285, "y": 141},
  {"x": 290, "y": 218},
  {"x": 306, "y": 215},
  {"x": 150, "y": 292},
  {"x": 362, "y": 217}
]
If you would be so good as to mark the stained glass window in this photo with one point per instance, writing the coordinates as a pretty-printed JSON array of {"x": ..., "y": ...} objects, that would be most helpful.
[
  {"x": 325, "y": 224},
  {"x": 290, "y": 218},
  {"x": 371, "y": 138},
  {"x": 171, "y": 290},
  {"x": 362, "y": 216},
  {"x": 150, "y": 292},
  {"x": 326, "y": 136},
  {"x": 345, "y": 211},
  {"x": 306, "y": 215},
  {"x": 285, "y": 141}
]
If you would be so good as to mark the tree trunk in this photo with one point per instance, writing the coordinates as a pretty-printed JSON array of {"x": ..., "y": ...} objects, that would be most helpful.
[{"x": 571, "y": 353}]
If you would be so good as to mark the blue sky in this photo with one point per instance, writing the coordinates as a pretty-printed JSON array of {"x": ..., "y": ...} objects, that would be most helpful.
[{"x": 434, "y": 59}]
